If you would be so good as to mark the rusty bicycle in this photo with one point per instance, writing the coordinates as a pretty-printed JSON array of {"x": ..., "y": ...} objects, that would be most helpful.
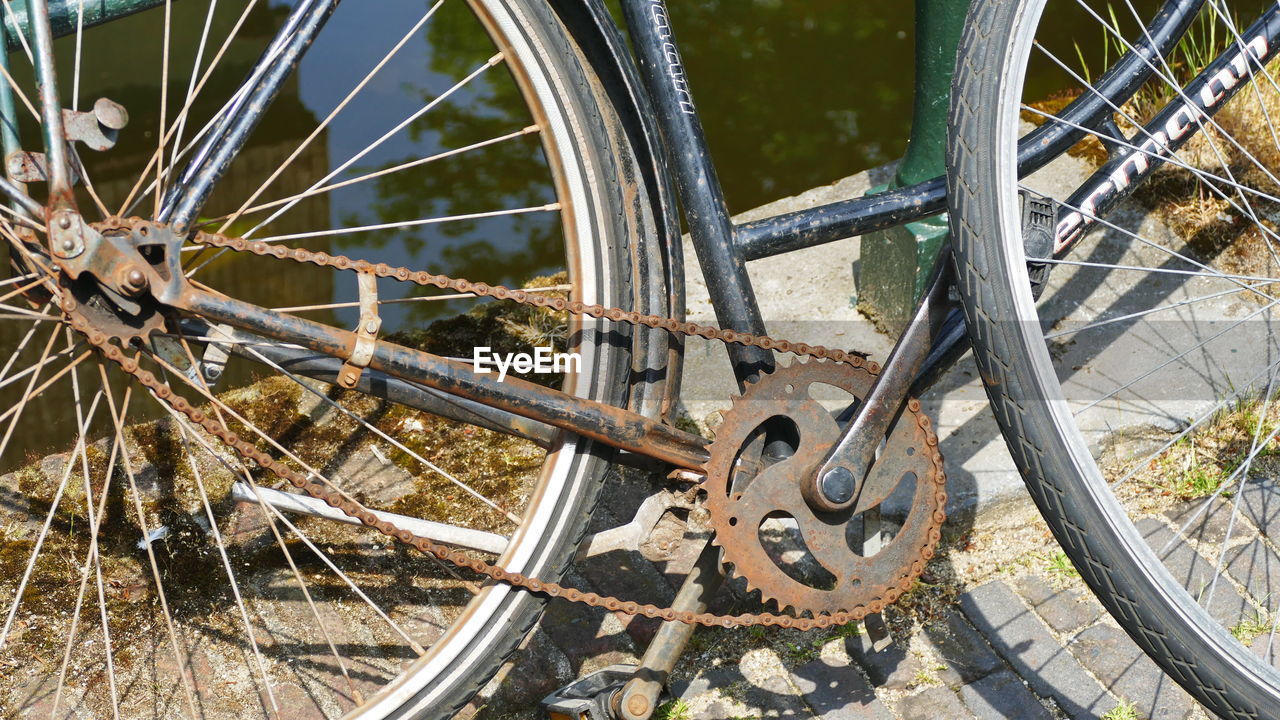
[{"x": 257, "y": 463}]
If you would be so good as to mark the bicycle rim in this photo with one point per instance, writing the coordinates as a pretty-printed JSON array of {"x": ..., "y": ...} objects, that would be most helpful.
[
  {"x": 1139, "y": 354},
  {"x": 300, "y": 616}
]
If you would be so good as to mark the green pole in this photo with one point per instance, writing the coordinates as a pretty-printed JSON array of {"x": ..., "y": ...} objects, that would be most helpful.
[{"x": 895, "y": 263}]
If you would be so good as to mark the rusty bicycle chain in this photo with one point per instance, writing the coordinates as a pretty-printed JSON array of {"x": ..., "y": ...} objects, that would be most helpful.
[{"x": 355, "y": 510}]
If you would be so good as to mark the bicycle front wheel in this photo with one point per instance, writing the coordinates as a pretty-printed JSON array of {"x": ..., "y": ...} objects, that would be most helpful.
[
  {"x": 1132, "y": 367},
  {"x": 145, "y": 567}
]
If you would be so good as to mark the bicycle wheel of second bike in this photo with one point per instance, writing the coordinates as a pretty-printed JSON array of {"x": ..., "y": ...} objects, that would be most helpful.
[
  {"x": 1137, "y": 390},
  {"x": 149, "y": 571}
]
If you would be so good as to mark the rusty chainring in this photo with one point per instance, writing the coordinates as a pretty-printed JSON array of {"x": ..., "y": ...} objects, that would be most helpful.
[
  {"x": 101, "y": 339},
  {"x": 740, "y": 502}
]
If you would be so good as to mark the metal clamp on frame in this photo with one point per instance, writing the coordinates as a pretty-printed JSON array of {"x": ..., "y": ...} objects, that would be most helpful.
[{"x": 366, "y": 332}]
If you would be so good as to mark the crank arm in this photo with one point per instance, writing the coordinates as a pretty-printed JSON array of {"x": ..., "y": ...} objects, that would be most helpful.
[
  {"x": 610, "y": 425},
  {"x": 838, "y": 482}
]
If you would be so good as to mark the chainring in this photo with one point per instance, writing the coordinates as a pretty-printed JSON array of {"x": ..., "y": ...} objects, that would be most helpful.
[{"x": 740, "y": 503}]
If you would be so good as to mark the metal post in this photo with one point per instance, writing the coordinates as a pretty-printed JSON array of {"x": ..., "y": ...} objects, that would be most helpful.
[{"x": 895, "y": 263}]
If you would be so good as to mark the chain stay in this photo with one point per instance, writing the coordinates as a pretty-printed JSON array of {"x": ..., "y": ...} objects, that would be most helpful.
[{"x": 250, "y": 452}]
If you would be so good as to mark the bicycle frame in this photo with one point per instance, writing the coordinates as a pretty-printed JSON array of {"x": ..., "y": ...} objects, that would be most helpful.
[{"x": 930, "y": 343}]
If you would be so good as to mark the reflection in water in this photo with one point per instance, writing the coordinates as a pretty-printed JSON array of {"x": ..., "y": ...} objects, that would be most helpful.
[{"x": 792, "y": 94}]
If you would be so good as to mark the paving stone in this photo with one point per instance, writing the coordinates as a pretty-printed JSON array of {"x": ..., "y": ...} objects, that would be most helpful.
[
  {"x": 1025, "y": 643},
  {"x": 1112, "y": 656},
  {"x": 1034, "y": 589},
  {"x": 893, "y": 668},
  {"x": 1260, "y": 502},
  {"x": 1267, "y": 648},
  {"x": 966, "y": 655},
  {"x": 1002, "y": 695},
  {"x": 1203, "y": 525},
  {"x": 838, "y": 692},
  {"x": 716, "y": 678},
  {"x": 1257, "y": 567},
  {"x": 1064, "y": 609},
  {"x": 932, "y": 704},
  {"x": 775, "y": 696},
  {"x": 1195, "y": 573}
]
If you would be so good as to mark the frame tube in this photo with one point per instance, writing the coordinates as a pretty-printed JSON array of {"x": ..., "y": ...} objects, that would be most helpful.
[
  {"x": 610, "y": 425},
  {"x": 188, "y": 195},
  {"x": 705, "y": 212}
]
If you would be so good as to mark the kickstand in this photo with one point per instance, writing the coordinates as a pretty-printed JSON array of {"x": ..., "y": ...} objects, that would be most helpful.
[
  {"x": 872, "y": 540},
  {"x": 639, "y": 697}
]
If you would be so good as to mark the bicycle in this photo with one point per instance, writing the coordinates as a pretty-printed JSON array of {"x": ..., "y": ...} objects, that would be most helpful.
[{"x": 618, "y": 142}]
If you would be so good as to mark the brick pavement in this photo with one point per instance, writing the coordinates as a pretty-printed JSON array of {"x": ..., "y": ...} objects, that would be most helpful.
[{"x": 1027, "y": 642}]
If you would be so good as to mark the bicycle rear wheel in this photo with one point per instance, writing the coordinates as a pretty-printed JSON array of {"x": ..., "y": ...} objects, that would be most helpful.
[
  {"x": 143, "y": 565},
  {"x": 1138, "y": 395}
]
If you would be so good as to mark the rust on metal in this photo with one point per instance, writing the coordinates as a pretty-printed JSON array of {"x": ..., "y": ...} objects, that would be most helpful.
[{"x": 613, "y": 425}]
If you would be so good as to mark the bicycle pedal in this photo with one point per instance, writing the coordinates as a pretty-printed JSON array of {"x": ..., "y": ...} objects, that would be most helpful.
[
  {"x": 589, "y": 697},
  {"x": 1039, "y": 224}
]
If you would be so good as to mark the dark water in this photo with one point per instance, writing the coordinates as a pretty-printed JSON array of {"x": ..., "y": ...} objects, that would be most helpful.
[{"x": 793, "y": 94}]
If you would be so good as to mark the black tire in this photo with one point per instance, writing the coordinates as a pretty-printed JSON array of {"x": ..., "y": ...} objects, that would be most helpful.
[
  {"x": 623, "y": 218},
  {"x": 608, "y": 238},
  {"x": 1061, "y": 474}
]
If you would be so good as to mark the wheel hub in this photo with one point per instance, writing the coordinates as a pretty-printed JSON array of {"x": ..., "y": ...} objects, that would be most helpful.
[{"x": 117, "y": 275}]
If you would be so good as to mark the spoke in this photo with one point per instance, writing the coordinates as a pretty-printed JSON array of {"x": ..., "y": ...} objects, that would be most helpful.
[
  {"x": 1167, "y": 271},
  {"x": 22, "y": 345},
  {"x": 44, "y": 529},
  {"x": 1158, "y": 308},
  {"x": 178, "y": 656},
  {"x": 16, "y": 411},
  {"x": 1247, "y": 210},
  {"x": 1193, "y": 425},
  {"x": 1201, "y": 117},
  {"x": 180, "y": 125},
  {"x": 552, "y": 207},
  {"x": 190, "y": 432},
  {"x": 13, "y": 85},
  {"x": 356, "y": 695},
  {"x": 332, "y": 114},
  {"x": 229, "y": 463},
  {"x": 1176, "y": 358},
  {"x": 390, "y": 133},
  {"x": 164, "y": 139},
  {"x": 386, "y": 171},
  {"x": 428, "y": 298},
  {"x": 36, "y": 366},
  {"x": 74, "y": 155},
  {"x": 226, "y": 564},
  {"x": 18, "y": 279},
  {"x": 398, "y": 445},
  {"x": 221, "y": 407},
  {"x": 82, "y": 421},
  {"x": 1257, "y": 94},
  {"x": 28, "y": 393},
  {"x": 162, "y": 135},
  {"x": 75, "y": 77},
  {"x": 1254, "y": 449}
]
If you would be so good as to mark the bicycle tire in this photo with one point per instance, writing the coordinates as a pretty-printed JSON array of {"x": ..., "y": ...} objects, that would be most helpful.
[
  {"x": 1026, "y": 396},
  {"x": 604, "y": 206}
]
